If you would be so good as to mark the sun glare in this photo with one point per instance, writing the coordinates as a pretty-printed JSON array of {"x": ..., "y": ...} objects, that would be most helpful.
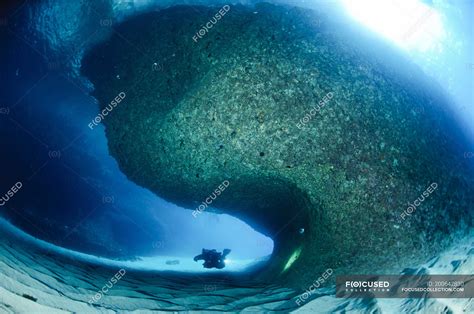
[{"x": 410, "y": 24}]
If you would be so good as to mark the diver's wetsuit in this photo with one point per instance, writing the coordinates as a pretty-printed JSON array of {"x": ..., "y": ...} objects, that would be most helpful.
[{"x": 212, "y": 258}]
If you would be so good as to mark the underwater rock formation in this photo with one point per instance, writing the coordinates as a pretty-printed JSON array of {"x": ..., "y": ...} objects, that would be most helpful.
[{"x": 315, "y": 127}]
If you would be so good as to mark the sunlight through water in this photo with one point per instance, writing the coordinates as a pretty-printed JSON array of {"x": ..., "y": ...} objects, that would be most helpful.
[{"x": 410, "y": 24}]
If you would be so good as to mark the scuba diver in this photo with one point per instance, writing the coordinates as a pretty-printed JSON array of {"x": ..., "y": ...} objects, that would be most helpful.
[{"x": 212, "y": 258}]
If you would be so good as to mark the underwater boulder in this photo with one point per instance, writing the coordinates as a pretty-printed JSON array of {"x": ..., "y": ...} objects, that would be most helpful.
[{"x": 315, "y": 127}]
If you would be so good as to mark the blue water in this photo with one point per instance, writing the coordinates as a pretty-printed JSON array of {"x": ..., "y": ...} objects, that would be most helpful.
[{"x": 73, "y": 194}]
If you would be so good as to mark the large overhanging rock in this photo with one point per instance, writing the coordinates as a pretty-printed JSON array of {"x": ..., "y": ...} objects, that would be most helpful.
[{"x": 325, "y": 138}]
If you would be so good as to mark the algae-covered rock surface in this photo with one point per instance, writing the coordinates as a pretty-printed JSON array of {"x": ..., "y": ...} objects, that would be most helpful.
[{"x": 325, "y": 136}]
